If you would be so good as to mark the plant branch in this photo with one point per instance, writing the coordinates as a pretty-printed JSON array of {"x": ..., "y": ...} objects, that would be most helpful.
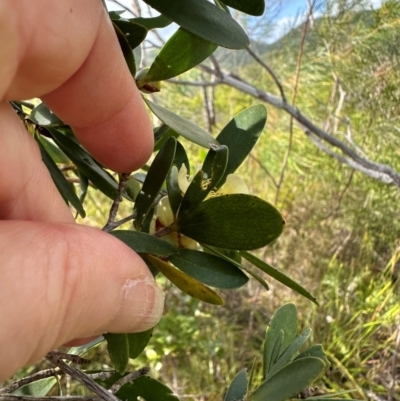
[
  {"x": 123, "y": 178},
  {"x": 129, "y": 378},
  {"x": 81, "y": 377},
  {"x": 375, "y": 170},
  {"x": 43, "y": 374}
]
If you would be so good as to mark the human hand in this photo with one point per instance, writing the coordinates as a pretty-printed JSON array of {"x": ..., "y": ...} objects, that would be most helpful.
[{"x": 61, "y": 281}]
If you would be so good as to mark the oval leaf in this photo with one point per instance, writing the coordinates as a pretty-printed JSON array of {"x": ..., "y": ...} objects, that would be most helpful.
[
  {"x": 183, "y": 51},
  {"x": 209, "y": 269},
  {"x": 241, "y": 134},
  {"x": 38, "y": 388},
  {"x": 145, "y": 243},
  {"x": 290, "y": 380},
  {"x": 152, "y": 23},
  {"x": 234, "y": 221},
  {"x": 186, "y": 283},
  {"x": 182, "y": 126},
  {"x": 317, "y": 351},
  {"x": 134, "y": 33},
  {"x": 205, "y": 20},
  {"x": 118, "y": 349},
  {"x": 137, "y": 342},
  {"x": 238, "y": 388},
  {"x": 251, "y": 7}
]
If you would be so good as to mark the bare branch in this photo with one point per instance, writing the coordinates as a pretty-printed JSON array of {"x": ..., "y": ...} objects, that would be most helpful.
[
  {"x": 129, "y": 378},
  {"x": 43, "y": 374},
  {"x": 379, "y": 171}
]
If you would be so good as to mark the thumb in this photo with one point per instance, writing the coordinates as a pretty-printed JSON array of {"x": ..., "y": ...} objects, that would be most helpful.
[{"x": 65, "y": 281}]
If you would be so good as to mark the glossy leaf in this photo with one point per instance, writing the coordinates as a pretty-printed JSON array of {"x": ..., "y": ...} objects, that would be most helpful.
[
  {"x": 316, "y": 351},
  {"x": 174, "y": 192},
  {"x": 182, "y": 126},
  {"x": 241, "y": 134},
  {"x": 125, "y": 47},
  {"x": 186, "y": 283},
  {"x": 283, "y": 330},
  {"x": 251, "y": 7},
  {"x": 38, "y": 388},
  {"x": 54, "y": 151},
  {"x": 145, "y": 243},
  {"x": 209, "y": 269},
  {"x": 183, "y": 51},
  {"x": 205, "y": 20},
  {"x": 238, "y": 388},
  {"x": 137, "y": 342},
  {"x": 118, "y": 349},
  {"x": 134, "y": 33},
  {"x": 160, "y": 21},
  {"x": 278, "y": 275},
  {"x": 290, "y": 380},
  {"x": 42, "y": 115},
  {"x": 146, "y": 388},
  {"x": 234, "y": 221},
  {"x": 63, "y": 186},
  {"x": 154, "y": 181},
  {"x": 86, "y": 164},
  {"x": 289, "y": 353}
]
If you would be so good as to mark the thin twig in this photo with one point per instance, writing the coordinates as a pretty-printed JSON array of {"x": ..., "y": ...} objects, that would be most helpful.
[
  {"x": 270, "y": 72},
  {"x": 70, "y": 357},
  {"x": 82, "y": 378},
  {"x": 31, "y": 378},
  {"x": 123, "y": 178},
  {"x": 129, "y": 378},
  {"x": 266, "y": 171}
]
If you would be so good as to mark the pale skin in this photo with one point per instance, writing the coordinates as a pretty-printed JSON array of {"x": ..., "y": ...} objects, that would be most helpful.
[{"x": 60, "y": 281}]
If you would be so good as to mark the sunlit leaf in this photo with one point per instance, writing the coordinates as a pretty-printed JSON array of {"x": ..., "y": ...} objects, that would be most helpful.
[
  {"x": 118, "y": 349},
  {"x": 205, "y": 20},
  {"x": 290, "y": 380},
  {"x": 154, "y": 180},
  {"x": 137, "y": 342},
  {"x": 144, "y": 243},
  {"x": 278, "y": 275},
  {"x": 241, "y": 134},
  {"x": 183, "y": 51},
  {"x": 209, "y": 269},
  {"x": 54, "y": 151},
  {"x": 251, "y": 7},
  {"x": 38, "y": 388},
  {"x": 42, "y": 115},
  {"x": 182, "y": 126},
  {"x": 186, "y": 283},
  {"x": 64, "y": 187},
  {"x": 238, "y": 388},
  {"x": 235, "y": 221},
  {"x": 146, "y": 388}
]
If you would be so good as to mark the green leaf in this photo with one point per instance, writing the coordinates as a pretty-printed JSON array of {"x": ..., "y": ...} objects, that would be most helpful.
[
  {"x": 251, "y": 7},
  {"x": 186, "y": 283},
  {"x": 166, "y": 133},
  {"x": 288, "y": 354},
  {"x": 146, "y": 388},
  {"x": 174, "y": 193},
  {"x": 278, "y": 275},
  {"x": 317, "y": 351},
  {"x": 132, "y": 188},
  {"x": 205, "y": 20},
  {"x": 152, "y": 23},
  {"x": 63, "y": 186},
  {"x": 283, "y": 324},
  {"x": 118, "y": 349},
  {"x": 125, "y": 47},
  {"x": 86, "y": 164},
  {"x": 182, "y": 52},
  {"x": 54, "y": 151},
  {"x": 134, "y": 33},
  {"x": 290, "y": 380},
  {"x": 182, "y": 126},
  {"x": 209, "y": 269},
  {"x": 38, "y": 388},
  {"x": 241, "y": 134},
  {"x": 238, "y": 388},
  {"x": 82, "y": 349},
  {"x": 145, "y": 243},
  {"x": 137, "y": 342},
  {"x": 195, "y": 193},
  {"x": 154, "y": 181},
  {"x": 215, "y": 164},
  {"x": 42, "y": 115},
  {"x": 234, "y": 221}
]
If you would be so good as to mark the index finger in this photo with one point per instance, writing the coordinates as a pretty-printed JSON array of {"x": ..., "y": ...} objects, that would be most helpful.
[{"x": 68, "y": 53}]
